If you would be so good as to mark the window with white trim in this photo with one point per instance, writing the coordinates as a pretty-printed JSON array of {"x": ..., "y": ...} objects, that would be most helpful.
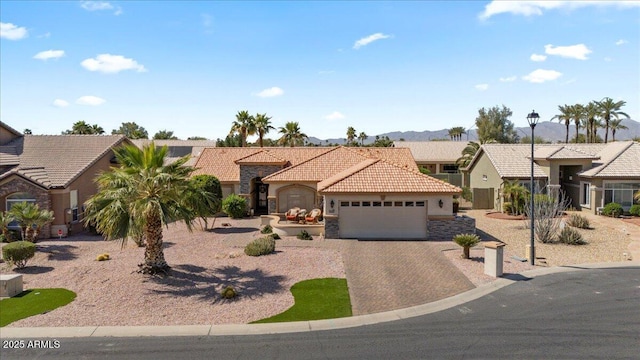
[
  {"x": 585, "y": 194},
  {"x": 73, "y": 204}
]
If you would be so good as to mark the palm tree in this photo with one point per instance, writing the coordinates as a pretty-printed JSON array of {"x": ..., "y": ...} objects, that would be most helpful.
[
  {"x": 457, "y": 132},
  {"x": 97, "y": 129},
  {"x": 451, "y": 133},
  {"x": 636, "y": 196},
  {"x": 362, "y": 137},
  {"x": 467, "y": 154},
  {"x": 31, "y": 219},
  {"x": 291, "y": 134},
  {"x": 591, "y": 122},
  {"x": 263, "y": 126},
  {"x": 609, "y": 108},
  {"x": 351, "y": 135},
  {"x": 615, "y": 125},
  {"x": 5, "y": 219},
  {"x": 140, "y": 197},
  {"x": 243, "y": 125},
  {"x": 515, "y": 193},
  {"x": 564, "y": 116},
  {"x": 577, "y": 113}
]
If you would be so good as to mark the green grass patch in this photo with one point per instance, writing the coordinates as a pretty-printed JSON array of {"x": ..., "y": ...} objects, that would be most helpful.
[
  {"x": 33, "y": 302},
  {"x": 316, "y": 299}
]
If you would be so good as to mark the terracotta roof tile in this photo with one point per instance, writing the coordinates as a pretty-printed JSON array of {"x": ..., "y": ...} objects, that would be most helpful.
[
  {"x": 261, "y": 157},
  {"x": 319, "y": 167}
]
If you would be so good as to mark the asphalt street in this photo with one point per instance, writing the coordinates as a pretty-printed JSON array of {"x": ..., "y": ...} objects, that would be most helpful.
[{"x": 588, "y": 314}]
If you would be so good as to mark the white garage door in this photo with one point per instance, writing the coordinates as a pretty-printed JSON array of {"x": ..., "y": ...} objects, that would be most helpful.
[{"x": 383, "y": 219}]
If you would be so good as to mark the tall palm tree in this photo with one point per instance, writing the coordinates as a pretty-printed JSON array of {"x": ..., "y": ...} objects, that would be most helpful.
[
  {"x": 243, "y": 125},
  {"x": 608, "y": 109},
  {"x": 577, "y": 113},
  {"x": 451, "y": 133},
  {"x": 468, "y": 153},
  {"x": 263, "y": 126},
  {"x": 351, "y": 135},
  {"x": 591, "y": 122},
  {"x": 140, "y": 197},
  {"x": 565, "y": 117},
  {"x": 362, "y": 137},
  {"x": 291, "y": 134},
  {"x": 97, "y": 129},
  {"x": 615, "y": 125},
  {"x": 457, "y": 132}
]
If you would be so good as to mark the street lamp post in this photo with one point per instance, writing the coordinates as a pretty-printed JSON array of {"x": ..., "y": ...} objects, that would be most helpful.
[{"x": 532, "y": 119}]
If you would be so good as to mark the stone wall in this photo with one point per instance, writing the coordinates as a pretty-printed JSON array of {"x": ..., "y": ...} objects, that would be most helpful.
[
  {"x": 249, "y": 172},
  {"x": 42, "y": 197},
  {"x": 331, "y": 227},
  {"x": 447, "y": 229},
  {"x": 271, "y": 202}
]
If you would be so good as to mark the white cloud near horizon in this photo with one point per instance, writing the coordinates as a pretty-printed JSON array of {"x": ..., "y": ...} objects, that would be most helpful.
[
  {"x": 531, "y": 8},
  {"x": 49, "y": 54},
  {"x": 369, "y": 39},
  {"x": 621, "y": 42},
  {"x": 270, "y": 92},
  {"x": 541, "y": 75},
  {"x": 482, "y": 87},
  {"x": 90, "y": 100},
  {"x": 538, "y": 57},
  {"x": 12, "y": 32},
  {"x": 336, "y": 115},
  {"x": 59, "y": 103},
  {"x": 508, "y": 79},
  {"x": 111, "y": 64},
  {"x": 99, "y": 6},
  {"x": 578, "y": 51}
]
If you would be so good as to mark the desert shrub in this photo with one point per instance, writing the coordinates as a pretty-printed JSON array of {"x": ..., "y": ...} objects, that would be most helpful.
[
  {"x": 579, "y": 221},
  {"x": 261, "y": 246},
  {"x": 235, "y": 206},
  {"x": 275, "y": 236},
  {"x": 547, "y": 211},
  {"x": 507, "y": 207},
  {"x": 467, "y": 241},
  {"x": 304, "y": 235},
  {"x": 102, "y": 257},
  {"x": 570, "y": 236},
  {"x": 228, "y": 292},
  {"x": 635, "y": 210},
  {"x": 612, "y": 209},
  {"x": 267, "y": 229},
  {"x": 466, "y": 193},
  {"x": 18, "y": 253}
]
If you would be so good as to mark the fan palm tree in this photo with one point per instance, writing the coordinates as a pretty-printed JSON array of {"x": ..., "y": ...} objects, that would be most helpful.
[
  {"x": 564, "y": 117},
  {"x": 263, "y": 126},
  {"x": 351, "y": 135},
  {"x": 31, "y": 219},
  {"x": 467, "y": 154},
  {"x": 243, "y": 125},
  {"x": 362, "y": 137},
  {"x": 6, "y": 218},
  {"x": 515, "y": 193},
  {"x": 615, "y": 125},
  {"x": 609, "y": 108},
  {"x": 140, "y": 197},
  {"x": 291, "y": 134}
]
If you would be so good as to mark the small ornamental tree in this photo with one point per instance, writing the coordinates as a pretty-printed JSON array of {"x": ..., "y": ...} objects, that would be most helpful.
[
  {"x": 213, "y": 204},
  {"x": 467, "y": 241}
]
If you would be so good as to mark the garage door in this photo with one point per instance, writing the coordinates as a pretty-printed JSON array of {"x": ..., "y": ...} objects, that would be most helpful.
[{"x": 383, "y": 220}]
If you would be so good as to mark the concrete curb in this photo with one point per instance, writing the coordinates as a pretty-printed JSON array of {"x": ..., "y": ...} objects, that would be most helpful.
[{"x": 282, "y": 328}]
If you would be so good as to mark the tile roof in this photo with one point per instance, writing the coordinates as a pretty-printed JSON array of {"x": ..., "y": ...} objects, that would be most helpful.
[
  {"x": 9, "y": 155},
  {"x": 618, "y": 160},
  {"x": 558, "y": 152},
  {"x": 8, "y": 128},
  {"x": 56, "y": 160},
  {"x": 433, "y": 151},
  {"x": 261, "y": 157},
  {"x": 174, "y": 143},
  {"x": 512, "y": 160},
  {"x": 380, "y": 176}
]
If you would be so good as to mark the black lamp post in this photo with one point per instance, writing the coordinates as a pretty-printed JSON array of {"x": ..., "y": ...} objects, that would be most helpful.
[{"x": 532, "y": 119}]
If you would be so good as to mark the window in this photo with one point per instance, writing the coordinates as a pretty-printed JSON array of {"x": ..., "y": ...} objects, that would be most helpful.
[
  {"x": 397, "y": 203},
  {"x": 366, "y": 203},
  {"x": 585, "y": 194},
  {"x": 16, "y": 199},
  {"x": 420, "y": 203},
  {"x": 355, "y": 203},
  {"x": 377, "y": 203},
  {"x": 344, "y": 203},
  {"x": 408, "y": 203},
  {"x": 450, "y": 168},
  {"x": 388, "y": 203},
  {"x": 621, "y": 193},
  {"x": 73, "y": 204}
]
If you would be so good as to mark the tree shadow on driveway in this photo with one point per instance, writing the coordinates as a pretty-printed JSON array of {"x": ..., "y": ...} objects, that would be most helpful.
[{"x": 205, "y": 284}]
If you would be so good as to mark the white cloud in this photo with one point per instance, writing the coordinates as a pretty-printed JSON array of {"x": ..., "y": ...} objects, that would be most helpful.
[
  {"x": 579, "y": 51},
  {"x": 508, "y": 79},
  {"x": 541, "y": 75},
  {"x": 369, "y": 39},
  {"x": 270, "y": 92},
  {"x": 621, "y": 42},
  {"x": 49, "y": 54},
  {"x": 529, "y": 8},
  {"x": 111, "y": 64},
  {"x": 12, "y": 32},
  {"x": 99, "y": 6},
  {"x": 45, "y": 35},
  {"x": 482, "y": 87},
  {"x": 90, "y": 100},
  {"x": 538, "y": 58},
  {"x": 334, "y": 116},
  {"x": 60, "y": 103}
]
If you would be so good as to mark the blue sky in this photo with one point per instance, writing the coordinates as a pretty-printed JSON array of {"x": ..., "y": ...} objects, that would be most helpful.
[{"x": 378, "y": 66}]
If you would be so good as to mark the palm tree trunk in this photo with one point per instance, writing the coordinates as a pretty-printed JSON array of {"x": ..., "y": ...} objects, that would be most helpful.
[
  {"x": 613, "y": 135},
  {"x": 465, "y": 252},
  {"x": 154, "y": 261},
  {"x": 566, "y": 138},
  {"x": 260, "y": 135},
  {"x": 606, "y": 128}
]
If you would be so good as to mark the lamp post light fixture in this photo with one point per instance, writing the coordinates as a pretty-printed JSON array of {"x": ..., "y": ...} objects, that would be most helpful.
[{"x": 532, "y": 119}]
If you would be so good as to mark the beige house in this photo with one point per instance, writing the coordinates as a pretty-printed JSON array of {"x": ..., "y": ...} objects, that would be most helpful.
[
  {"x": 439, "y": 157},
  {"x": 591, "y": 175},
  {"x": 54, "y": 171}
]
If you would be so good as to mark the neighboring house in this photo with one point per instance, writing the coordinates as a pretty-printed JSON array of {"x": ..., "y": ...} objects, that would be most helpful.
[
  {"x": 439, "y": 157},
  {"x": 179, "y": 148},
  {"x": 54, "y": 171},
  {"x": 363, "y": 192},
  {"x": 591, "y": 175}
]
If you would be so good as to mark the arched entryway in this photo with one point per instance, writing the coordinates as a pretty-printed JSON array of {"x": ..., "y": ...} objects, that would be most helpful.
[{"x": 259, "y": 193}]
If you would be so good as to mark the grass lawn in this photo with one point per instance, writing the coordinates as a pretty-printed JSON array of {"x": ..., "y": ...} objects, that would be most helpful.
[
  {"x": 33, "y": 302},
  {"x": 316, "y": 299}
]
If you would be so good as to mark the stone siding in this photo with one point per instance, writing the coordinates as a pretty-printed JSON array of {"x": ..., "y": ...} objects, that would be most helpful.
[
  {"x": 271, "y": 202},
  {"x": 249, "y": 172},
  {"x": 447, "y": 229},
  {"x": 41, "y": 196},
  {"x": 331, "y": 227}
]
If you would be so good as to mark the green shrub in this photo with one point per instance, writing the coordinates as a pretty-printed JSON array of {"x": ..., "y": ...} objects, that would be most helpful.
[
  {"x": 228, "y": 292},
  {"x": 467, "y": 241},
  {"x": 612, "y": 209},
  {"x": 635, "y": 210},
  {"x": 18, "y": 253},
  {"x": 235, "y": 206},
  {"x": 466, "y": 193},
  {"x": 579, "y": 221},
  {"x": 304, "y": 235},
  {"x": 261, "y": 246},
  {"x": 267, "y": 229},
  {"x": 570, "y": 236},
  {"x": 507, "y": 207},
  {"x": 275, "y": 236}
]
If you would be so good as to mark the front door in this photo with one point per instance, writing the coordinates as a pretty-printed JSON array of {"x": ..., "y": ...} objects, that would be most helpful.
[{"x": 260, "y": 195}]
